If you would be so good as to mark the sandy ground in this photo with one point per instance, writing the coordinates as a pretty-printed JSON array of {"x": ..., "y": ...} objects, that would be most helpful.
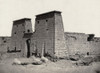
[{"x": 62, "y": 66}]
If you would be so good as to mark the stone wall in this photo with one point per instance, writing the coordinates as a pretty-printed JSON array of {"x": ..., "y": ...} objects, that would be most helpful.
[
  {"x": 4, "y": 44},
  {"x": 48, "y": 38},
  {"x": 95, "y": 47},
  {"x": 79, "y": 43}
]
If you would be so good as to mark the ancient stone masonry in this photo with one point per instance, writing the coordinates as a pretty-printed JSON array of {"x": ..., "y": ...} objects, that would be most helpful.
[
  {"x": 49, "y": 34},
  {"x": 48, "y": 38},
  {"x": 4, "y": 44},
  {"x": 20, "y": 29},
  {"x": 82, "y": 43}
]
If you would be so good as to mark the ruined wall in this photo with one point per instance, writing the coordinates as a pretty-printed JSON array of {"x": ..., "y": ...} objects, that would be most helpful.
[
  {"x": 95, "y": 46},
  {"x": 79, "y": 43},
  {"x": 4, "y": 44}
]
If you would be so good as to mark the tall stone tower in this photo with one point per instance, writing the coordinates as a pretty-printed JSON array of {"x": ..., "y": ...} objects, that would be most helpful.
[
  {"x": 20, "y": 28},
  {"x": 49, "y": 34}
]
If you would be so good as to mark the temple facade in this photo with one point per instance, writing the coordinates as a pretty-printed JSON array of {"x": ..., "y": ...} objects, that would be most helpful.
[{"x": 48, "y": 38}]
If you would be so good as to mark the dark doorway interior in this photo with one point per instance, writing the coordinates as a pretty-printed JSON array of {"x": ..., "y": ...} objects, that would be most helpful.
[{"x": 28, "y": 47}]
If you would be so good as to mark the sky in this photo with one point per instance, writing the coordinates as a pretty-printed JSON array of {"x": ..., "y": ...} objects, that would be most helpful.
[{"x": 81, "y": 16}]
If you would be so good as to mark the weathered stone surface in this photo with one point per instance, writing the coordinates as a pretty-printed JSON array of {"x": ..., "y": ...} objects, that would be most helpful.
[
  {"x": 48, "y": 38},
  {"x": 79, "y": 43},
  {"x": 49, "y": 34}
]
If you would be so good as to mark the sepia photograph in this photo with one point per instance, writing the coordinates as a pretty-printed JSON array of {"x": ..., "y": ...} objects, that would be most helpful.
[{"x": 49, "y": 36}]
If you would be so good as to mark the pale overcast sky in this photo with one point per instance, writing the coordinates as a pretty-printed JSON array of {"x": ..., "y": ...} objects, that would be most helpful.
[{"x": 78, "y": 15}]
